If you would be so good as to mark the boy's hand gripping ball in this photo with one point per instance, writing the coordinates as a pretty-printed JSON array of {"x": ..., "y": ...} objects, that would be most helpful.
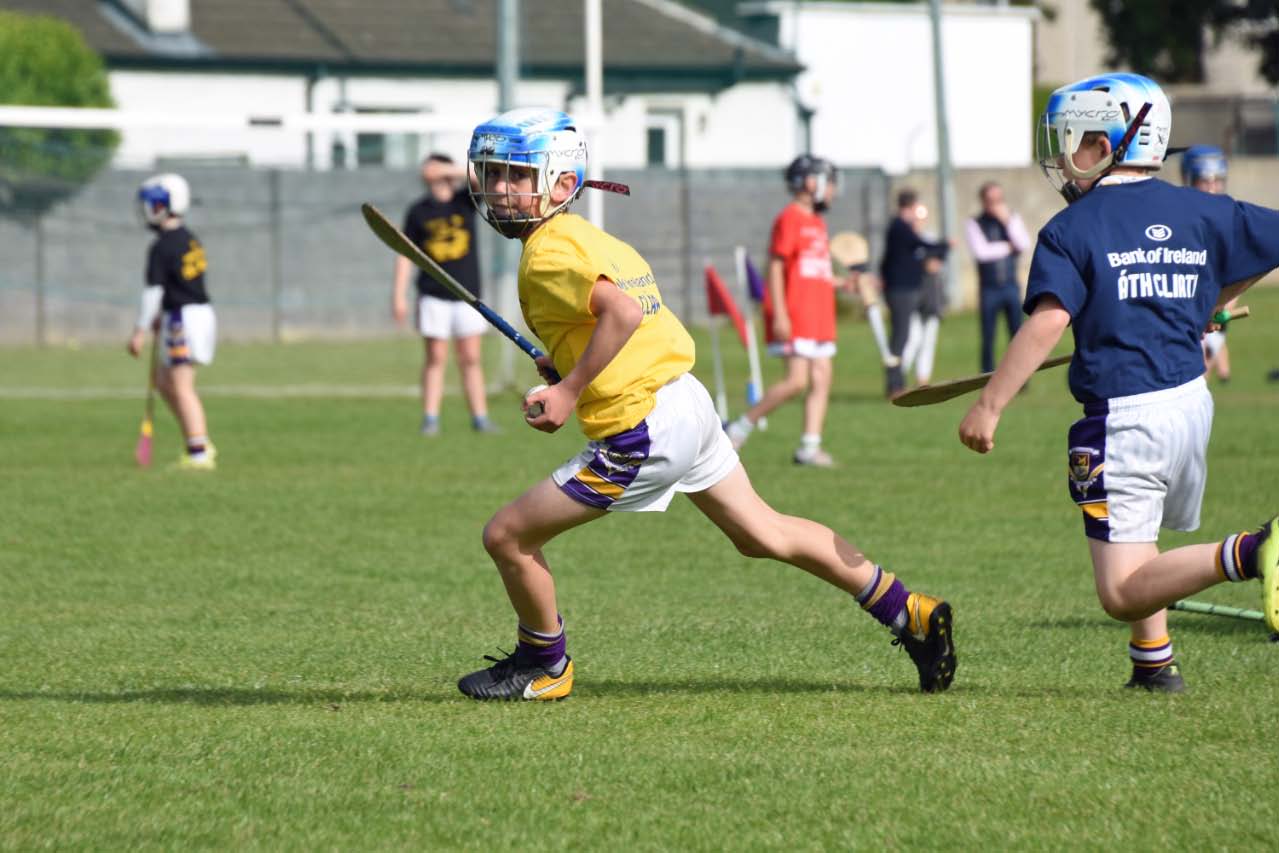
[{"x": 534, "y": 410}]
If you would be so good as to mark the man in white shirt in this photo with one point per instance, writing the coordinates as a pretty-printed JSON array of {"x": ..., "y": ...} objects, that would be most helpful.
[{"x": 996, "y": 237}]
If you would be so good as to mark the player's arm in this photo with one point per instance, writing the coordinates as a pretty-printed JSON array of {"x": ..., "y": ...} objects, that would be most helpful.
[
  {"x": 148, "y": 313},
  {"x": 1028, "y": 349},
  {"x": 617, "y": 316},
  {"x": 399, "y": 291},
  {"x": 777, "y": 293},
  {"x": 1231, "y": 292}
]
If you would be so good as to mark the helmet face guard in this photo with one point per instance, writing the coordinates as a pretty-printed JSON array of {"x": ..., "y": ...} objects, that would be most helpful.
[{"x": 518, "y": 158}]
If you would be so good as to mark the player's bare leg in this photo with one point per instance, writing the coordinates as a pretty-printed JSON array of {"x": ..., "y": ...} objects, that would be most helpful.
[
  {"x": 436, "y": 357},
  {"x": 1154, "y": 666},
  {"x": 472, "y": 372},
  {"x": 922, "y": 623},
  {"x": 810, "y": 452},
  {"x": 176, "y": 385},
  {"x": 540, "y": 667},
  {"x": 794, "y": 383}
]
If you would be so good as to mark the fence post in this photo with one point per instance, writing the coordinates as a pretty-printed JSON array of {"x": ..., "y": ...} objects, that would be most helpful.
[
  {"x": 277, "y": 259},
  {"x": 40, "y": 295}
]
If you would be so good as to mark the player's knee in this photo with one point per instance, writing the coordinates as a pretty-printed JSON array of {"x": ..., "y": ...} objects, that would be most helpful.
[
  {"x": 1117, "y": 606},
  {"x": 498, "y": 536}
]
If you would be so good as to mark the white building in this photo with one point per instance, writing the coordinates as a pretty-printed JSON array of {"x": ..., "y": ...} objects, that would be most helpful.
[{"x": 868, "y": 79}]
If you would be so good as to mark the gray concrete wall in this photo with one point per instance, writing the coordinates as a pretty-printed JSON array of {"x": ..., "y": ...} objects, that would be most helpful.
[{"x": 289, "y": 252}]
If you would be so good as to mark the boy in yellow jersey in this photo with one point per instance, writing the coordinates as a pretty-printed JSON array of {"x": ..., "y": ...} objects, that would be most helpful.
[{"x": 652, "y": 429}]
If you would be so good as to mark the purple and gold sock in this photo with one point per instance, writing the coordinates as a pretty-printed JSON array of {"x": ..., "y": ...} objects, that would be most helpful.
[
  {"x": 1150, "y": 655},
  {"x": 1237, "y": 557},
  {"x": 885, "y": 599},
  {"x": 545, "y": 650}
]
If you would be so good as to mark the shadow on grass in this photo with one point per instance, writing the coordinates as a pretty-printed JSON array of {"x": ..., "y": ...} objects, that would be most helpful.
[
  {"x": 227, "y": 696},
  {"x": 1181, "y": 623}
]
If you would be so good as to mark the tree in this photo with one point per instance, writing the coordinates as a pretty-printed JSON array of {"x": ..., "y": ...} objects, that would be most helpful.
[
  {"x": 44, "y": 61},
  {"x": 1166, "y": 38}
]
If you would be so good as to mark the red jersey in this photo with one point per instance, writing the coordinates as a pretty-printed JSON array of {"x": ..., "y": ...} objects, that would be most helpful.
[{"x": 799, "y": 242}]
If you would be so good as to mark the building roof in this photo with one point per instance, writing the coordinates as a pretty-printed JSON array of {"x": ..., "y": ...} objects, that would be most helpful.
[{"x": 643, "y": 39}]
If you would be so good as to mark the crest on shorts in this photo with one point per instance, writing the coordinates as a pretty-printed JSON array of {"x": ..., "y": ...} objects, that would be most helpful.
[
  {"x": 1085, "y": 468},
  {"x": 618, "y": 460}
]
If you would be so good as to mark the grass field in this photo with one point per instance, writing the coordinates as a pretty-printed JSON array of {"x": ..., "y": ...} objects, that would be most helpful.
[{"x": 265, "y": 658}]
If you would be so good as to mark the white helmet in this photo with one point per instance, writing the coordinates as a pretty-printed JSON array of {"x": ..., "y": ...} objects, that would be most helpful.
[
  {"x": 541, "y": 139},
  {"x": 1109, "y": 104},
  {"x": 162, "y": 196}
]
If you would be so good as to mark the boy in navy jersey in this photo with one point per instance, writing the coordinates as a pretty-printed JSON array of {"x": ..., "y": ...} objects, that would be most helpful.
[
  {"x": 1138, "y": 267},
  {"x": 176, "y": 305}
]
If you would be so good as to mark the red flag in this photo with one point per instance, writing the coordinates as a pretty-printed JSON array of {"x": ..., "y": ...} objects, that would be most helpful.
[{"x": 719, "y": 301}]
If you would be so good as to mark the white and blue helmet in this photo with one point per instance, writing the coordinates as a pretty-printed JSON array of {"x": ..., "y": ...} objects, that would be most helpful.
[
  {"x": 538, "y": 138},
  {"x": 1203, "y": 163},
  {"x": 162, "y": 196},
  {"x": 1109, "y": 104}
]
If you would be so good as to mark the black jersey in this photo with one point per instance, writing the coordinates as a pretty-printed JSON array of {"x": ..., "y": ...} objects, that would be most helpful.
[
  {"x": 446, "y": 232},
  {"x": 176, "y": 262}
]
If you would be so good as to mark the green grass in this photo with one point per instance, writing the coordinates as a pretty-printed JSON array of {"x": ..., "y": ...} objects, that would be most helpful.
[{"x": 265, "y": 658}]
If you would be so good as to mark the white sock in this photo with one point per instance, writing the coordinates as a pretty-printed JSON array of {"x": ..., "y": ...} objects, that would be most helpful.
[
  {"x": 743, "y": 425},
  {"x": 810, "y": 441},
  {"x": 198, "y": 446},
  {"x": 875, "y": 317},
  {"x": 912, "y": 342},
  {"x": 928, "y": 349}
]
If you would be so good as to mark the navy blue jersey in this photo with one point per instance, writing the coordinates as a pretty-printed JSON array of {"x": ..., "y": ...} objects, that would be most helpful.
[
  {"x": 176, "y": 262},
  {"x": 1139, "y": 265}
]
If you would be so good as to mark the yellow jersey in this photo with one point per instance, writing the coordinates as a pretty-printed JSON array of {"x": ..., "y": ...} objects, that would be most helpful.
[{"x": 562, "y": 261}]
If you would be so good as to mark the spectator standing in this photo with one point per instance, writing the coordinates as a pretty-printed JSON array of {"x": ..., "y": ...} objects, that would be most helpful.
[{"x": 996, "y": 237}]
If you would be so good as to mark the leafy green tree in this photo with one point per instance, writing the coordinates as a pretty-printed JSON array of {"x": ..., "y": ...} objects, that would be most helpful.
[
  {"x": 1166, "y": 38},
  {"x": 44, "y": 61}
]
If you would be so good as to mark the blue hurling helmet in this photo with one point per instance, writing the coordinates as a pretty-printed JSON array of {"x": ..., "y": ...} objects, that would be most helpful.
[
  {"x": 1201, "y": 163},
  {"x": 542, "y": 140},
  {"x": 1109, "y": 104}
]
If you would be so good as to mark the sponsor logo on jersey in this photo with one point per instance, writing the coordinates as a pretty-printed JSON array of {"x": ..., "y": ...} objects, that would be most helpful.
[{"x": 1158, "y": 233}]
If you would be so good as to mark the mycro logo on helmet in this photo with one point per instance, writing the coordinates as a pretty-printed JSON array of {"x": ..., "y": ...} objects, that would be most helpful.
[
  {"x": 1091, "y": 115},
  {"x": 1158, "y": 233}
]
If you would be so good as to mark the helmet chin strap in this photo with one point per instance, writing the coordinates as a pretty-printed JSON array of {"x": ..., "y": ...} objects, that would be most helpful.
[{"x": 1070, "y": 190}]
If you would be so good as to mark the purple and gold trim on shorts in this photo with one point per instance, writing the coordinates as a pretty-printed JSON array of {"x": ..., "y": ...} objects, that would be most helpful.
[
  {"x": 1086, "y": 472},
  {"x": 175, "y": 340},
  {"x": 614, "y": 465}
]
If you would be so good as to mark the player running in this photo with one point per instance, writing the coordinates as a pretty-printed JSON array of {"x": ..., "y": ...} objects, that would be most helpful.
[
  {"x": 651, "y": 427},
  {"x": 799, "y": 309},
  {"x": 175, "y": 304},
  {"x": 1137, "y": 267},
  {"x": 1204, "y": 168}
]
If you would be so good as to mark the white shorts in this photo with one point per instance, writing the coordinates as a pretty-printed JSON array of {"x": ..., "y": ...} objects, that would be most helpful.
[
  {"x": 804, "y": 348},
  {"x": 680, "y": 447},
  {"x": 189, "y": 335},
  {"x": 447, "y": 319},
  {"x": 1140, "y": 463}
]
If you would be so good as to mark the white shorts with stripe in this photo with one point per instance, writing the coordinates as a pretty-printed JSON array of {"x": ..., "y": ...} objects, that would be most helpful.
[
  {"x": 448, "y": 319},
  {"x": 189, "y": 335},
  {"x": 680, "y": 447},
  {"x": 809, "y": 348},
  {"x": 1140, "y": 463}
]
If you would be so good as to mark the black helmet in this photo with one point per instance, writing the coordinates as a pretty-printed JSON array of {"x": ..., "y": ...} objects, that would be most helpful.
[{"x": 806, "y": 165}]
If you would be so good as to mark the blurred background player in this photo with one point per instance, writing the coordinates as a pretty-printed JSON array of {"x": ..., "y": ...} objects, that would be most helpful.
[
  {"x": 1137, "y": 268},
  {"x": 799, "y": 308},
  {"x": 902, "y": 271},
  {"x": 920, "y": 352},
  {"x": 652, "y": 428},
  {"x": 442, "y": 223},
  {"x": 176, "y": 305},
  {"x": 1204, "y": 168},
  {"x": 996, "y": 237}
]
